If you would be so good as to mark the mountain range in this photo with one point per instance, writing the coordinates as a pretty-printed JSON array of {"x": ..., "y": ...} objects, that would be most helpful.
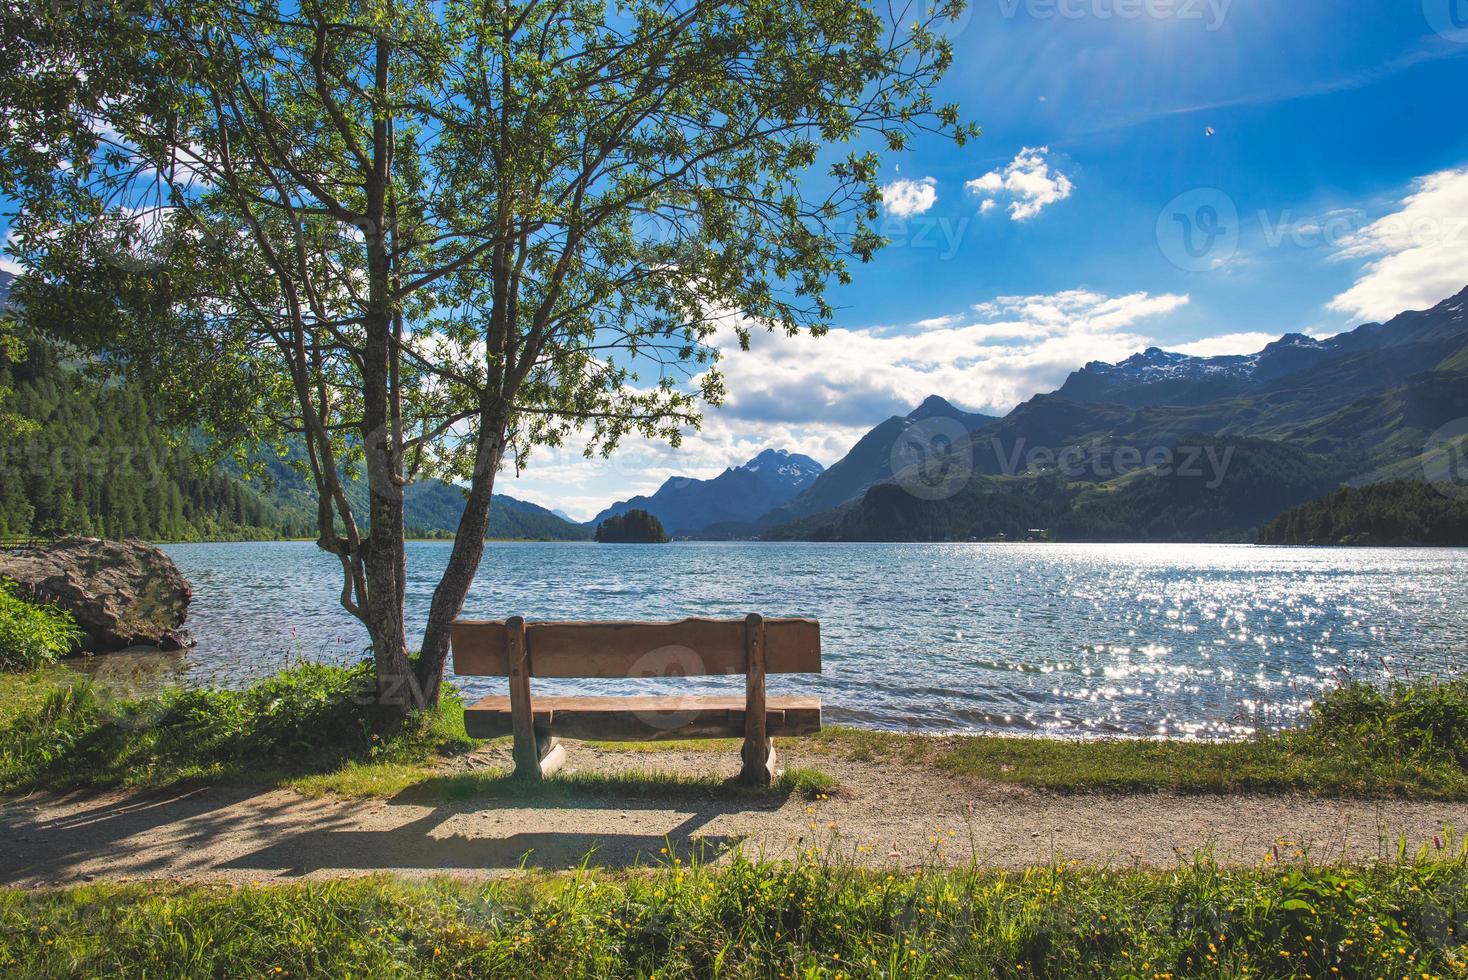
[
  {"x": 1104, "y": 457},
  {"x": 1097, "y": 459},
  {"x": 1295, "y": 421},
  {"x": 431, "y": 508},
  {"x": 689, "y": 507}
]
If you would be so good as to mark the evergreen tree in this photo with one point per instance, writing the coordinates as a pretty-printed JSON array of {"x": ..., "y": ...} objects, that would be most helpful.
[{"x": 633, "y": 527}]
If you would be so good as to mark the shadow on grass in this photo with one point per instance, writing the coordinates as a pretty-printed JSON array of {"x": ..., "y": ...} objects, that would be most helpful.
[{"x": 575, "y": 789}]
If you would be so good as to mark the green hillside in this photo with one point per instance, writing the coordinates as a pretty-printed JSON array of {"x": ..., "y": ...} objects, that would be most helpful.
[
  {"x": 1403, "y": 512},
  {"x": 431, "y": 508},
  {"x": 1234, "y": 486},
  {"x": 1230, "y": 489},
  {"x": 97, "y": 463}
]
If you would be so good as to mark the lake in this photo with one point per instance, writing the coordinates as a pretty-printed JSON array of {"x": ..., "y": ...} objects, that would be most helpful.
[{"x": 1207, "y": 641}]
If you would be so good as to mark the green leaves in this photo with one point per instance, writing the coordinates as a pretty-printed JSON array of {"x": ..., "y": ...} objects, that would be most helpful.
[
  {"x": 32, "y": 634},
  {"x": 437, "y": 234}
]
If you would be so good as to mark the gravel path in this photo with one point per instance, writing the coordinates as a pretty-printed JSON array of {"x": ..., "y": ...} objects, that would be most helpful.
[{"x": 883, "y": 814}]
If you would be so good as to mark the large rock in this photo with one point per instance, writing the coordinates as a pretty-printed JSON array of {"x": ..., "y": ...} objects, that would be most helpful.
[{"x": 122, "y": 593}]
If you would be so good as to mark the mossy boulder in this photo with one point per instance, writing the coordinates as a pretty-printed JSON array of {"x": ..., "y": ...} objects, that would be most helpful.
[{"x": 122, "y": 593}]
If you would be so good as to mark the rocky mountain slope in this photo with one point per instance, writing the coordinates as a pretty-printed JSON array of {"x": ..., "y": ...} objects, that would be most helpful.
[
  {"x": 689, "y": 507},
  {"x": 1304, "y": 415}
]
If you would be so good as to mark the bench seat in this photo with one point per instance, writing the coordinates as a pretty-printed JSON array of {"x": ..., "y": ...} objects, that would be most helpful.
[
  {"x": 754, "y": 646},
  {"x": 644, "y": 718}
]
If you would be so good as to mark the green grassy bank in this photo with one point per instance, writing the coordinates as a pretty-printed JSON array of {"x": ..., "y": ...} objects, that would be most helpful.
[
  {"x": 811, "y": 918},
  {"x": 312, "y": 726}
]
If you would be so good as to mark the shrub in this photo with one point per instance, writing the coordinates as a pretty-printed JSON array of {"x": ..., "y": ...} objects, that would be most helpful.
[
  {"x": 310, "y": 718},
  {"x": 1426, "y": 719},
  {"x": 31, "y": 634}
]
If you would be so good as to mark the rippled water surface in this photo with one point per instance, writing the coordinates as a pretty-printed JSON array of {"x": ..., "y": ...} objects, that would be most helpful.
[{"x": 1206, "y": 640}]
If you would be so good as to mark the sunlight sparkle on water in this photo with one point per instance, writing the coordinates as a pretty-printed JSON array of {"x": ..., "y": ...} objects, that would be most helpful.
[{"x": 1199, "y": 641}]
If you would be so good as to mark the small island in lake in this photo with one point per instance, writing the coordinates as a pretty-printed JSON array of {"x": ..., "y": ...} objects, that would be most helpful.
[{"x": 633, "y": 527}]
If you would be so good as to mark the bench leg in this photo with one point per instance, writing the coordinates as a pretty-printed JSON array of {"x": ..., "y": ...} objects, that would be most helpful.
[
  {"x": 759, "y": 748},
  {"x": 759, "y": 763},
  {"x": 527, "y": 757},
  {"x": 552, "y": 754},
  {"x": 538, "y": 757}
]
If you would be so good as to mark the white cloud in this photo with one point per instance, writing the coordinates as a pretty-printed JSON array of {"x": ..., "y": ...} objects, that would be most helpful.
[
  {"x": 1229, "y": 343},
  {"x": 1414, "y": 257},
  {"x": 819, "y": 395},
  {"x": 989, "y": 205},
  {"x": 1028, "y": 179},
  {"x": 1000, "y": 355},
  {"x": 905, "y": 198}
]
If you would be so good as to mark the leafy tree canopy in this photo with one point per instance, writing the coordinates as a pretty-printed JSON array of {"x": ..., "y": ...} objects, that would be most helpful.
[{"x": 431, "y": 235}]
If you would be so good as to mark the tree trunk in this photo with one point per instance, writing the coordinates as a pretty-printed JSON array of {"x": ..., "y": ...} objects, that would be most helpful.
[
  {"x": 384, "y": 551},
  {"x": 448, "y": 598}
]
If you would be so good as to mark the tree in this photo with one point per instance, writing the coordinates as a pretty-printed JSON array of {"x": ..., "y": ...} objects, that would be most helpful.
[
  {"x": 430, "y": 235},
  {"x": 12, "y": 351},
  {"x": 633, "y": 527}
]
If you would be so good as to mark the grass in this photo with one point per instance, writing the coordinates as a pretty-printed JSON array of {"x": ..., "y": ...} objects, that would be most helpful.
[
  {"x": 310, "y": 728},
  {"x": 361, "y": 780},
  {"x": 19, "y": 693},
  {"x": 818, "y": 916},
  {"x": 1409, "y": 740},
  {"x": 63, "y": 732},
  {"x": 1289, "y": 762}
]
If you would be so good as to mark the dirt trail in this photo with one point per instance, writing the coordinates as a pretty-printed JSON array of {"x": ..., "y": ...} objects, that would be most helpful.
[{"x": 892, "y": 813}]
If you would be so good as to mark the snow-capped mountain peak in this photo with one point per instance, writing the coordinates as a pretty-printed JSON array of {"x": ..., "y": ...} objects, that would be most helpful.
[{"x": 780, "y": 466}]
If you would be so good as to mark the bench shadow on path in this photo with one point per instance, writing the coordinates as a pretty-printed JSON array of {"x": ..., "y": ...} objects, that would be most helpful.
[
  {"x": 318, "y": 836},
  {"x": 415, "y": 845}
]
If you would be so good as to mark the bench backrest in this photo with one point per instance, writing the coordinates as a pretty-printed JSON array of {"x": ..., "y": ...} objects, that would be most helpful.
[{"x": 688, "y": 647}]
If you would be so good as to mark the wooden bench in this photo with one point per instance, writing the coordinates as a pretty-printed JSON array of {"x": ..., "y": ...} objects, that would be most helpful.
[{"x": 753, "y": 646}]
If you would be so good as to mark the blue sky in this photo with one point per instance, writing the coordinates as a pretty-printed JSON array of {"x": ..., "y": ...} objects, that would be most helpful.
[
  {"x": 1333, "y": 189},
  {"x": 1315, "y": 110}
]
